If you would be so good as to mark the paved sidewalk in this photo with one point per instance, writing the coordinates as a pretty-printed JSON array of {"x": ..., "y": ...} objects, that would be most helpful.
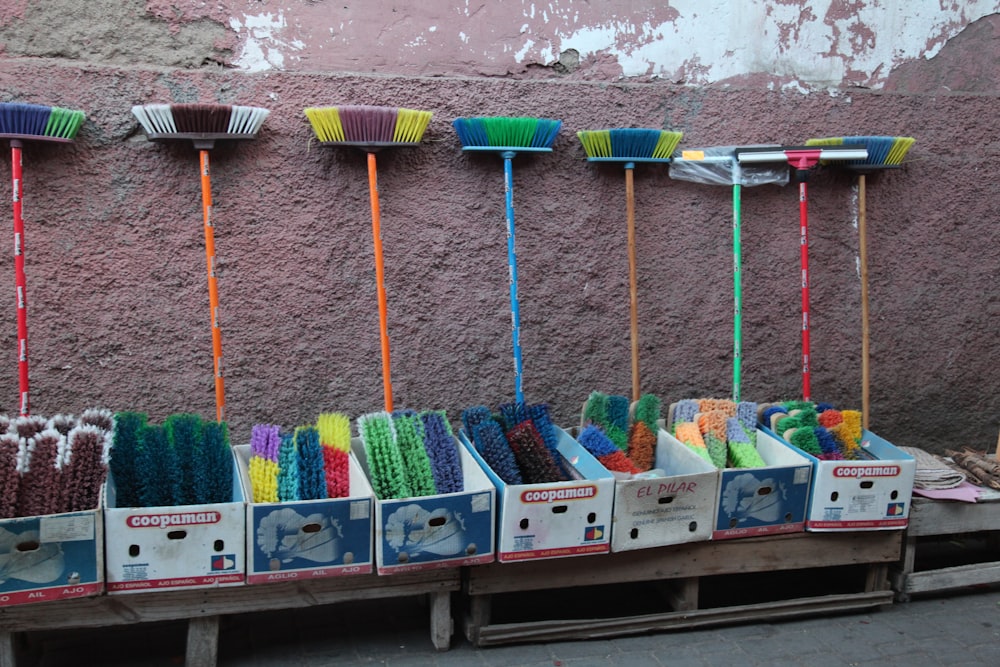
[{"x": 957, "y": 630}]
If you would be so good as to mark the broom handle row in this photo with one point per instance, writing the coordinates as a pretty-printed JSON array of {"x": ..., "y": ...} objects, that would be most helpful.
[
  {"x": 213, "y": 286},
  {"x": 20, "y": 282}
]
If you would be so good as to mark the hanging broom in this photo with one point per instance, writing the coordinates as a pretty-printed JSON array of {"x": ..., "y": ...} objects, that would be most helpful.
[
  {"x": 371, "y": 129},
  {"x": 203, "y": 125},
  {"x": 883, "y": 153},
  {"x": 629, "y": 146},
  {"x": 802, "y": 159},
  {"x": 19, "y": 123},
  {"x": 507, "y": 136}
]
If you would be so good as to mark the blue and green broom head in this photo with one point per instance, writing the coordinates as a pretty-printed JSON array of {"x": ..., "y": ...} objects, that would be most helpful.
[
  {"x": 500, "y": 133},
  {"x": 198, "y": 119},
  {"x": 629, "y": 144},
  {"x": 22, "y": 120},
  {"x": 367, "y": 125},
  {"x": 883, "y": 152}
]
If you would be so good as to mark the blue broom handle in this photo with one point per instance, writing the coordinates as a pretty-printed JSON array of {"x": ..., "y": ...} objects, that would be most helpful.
[{"x": 515, "y": 311}]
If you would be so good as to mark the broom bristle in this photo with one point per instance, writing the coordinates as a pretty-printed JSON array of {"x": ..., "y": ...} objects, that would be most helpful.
[
  {"x": 882, "y": 151},
  {"x": 410, "y": 125},
  {"x": 207, "y": 118},
  {"x": 39, "y": 120},
  {"x": 368, "y": 124},
  {"x": 630, "y": 143},
  {"x": 507, "y": 132}
]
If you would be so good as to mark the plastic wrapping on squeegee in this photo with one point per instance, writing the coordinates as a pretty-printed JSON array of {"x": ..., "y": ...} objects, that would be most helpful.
[{"x": 718, "y": 166}]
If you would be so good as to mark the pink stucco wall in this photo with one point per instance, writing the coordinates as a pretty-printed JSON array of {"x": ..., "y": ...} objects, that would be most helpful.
[{"x": 118, "y": 310}]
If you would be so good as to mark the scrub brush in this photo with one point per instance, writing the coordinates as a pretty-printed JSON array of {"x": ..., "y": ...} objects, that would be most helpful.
[
  {"x": 388, "y": 475},
  {"x": 335, "y": 436},
  {"x": 288, "y": 469},
  {"x": 442, "y": 452},
  {"x": 604, "y": 450},
  {"x": 533, "y": 459},
  {"x": 10, "y": 480},
  {"x": 265, "y": 441},
  {"x": 491, "y": 443},
  {"x": 312, "y": 476},
  {"x": 688, "y": 433},
  {"x": 410, "y": 441},
  {"x": 642, "y": 432},
  {"x": 742, "y": 449}
]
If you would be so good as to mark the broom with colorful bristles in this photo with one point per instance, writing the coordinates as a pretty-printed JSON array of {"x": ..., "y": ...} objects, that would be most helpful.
[
  {"x": 507, "y": 136},
  {"x": 203, "y": 125},
  {"x": 372, "y": 129},
  {"x": 628, "y": 146},
  {"x": 883, "y": 153},
  {"x": 802, "y": 159},
  {"x": 19, "y": 123}
]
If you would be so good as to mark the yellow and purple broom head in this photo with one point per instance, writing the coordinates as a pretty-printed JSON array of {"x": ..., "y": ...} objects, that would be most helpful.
[
  {"x": 499, "y": 133},
  {"x": 335, "y": 436},
  {"x": 19, "y": 120},
  {"x": 363, "y": 125},
  {"x": 883, "y": 152},
  {"x": 629, "y": 144},
  {"x": 178, "y": 121},
  {"x": 265, "y": 441}
]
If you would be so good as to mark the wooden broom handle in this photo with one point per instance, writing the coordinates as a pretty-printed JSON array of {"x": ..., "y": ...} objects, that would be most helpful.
[
  {"x": 865, "y": 320},
  {"x": 632, "y": 281}
]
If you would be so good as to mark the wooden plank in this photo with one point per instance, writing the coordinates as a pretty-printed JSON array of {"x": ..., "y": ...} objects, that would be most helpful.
[
  {"x": 605, "y": 627},
  {"x": 951, "y": 577},
  {"x": 202, "y": 642},
  {"x": 941, "y": 517},
  {"x": 442, "y": 625},
  {"x": 763, "y": 554},
  {"x": 109, "y": 610},
  {"x": 7, "y": 649}
]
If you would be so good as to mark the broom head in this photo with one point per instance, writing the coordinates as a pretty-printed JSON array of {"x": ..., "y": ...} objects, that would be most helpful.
[
  {"x": 368, "y": 126},
  {"x": 883, "y": 152},
  {"x": 35, "y": 121},
  {"x": 200, "y": 122},
  {"x": 505, "y": 133},
  {"x": 629, "y": 144}
]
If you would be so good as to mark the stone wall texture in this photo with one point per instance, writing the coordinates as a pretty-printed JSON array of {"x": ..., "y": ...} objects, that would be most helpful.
[{"x": 114, "y": 249}]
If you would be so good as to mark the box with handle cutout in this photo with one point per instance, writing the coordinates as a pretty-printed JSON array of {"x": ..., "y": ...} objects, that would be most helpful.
[
  {"x": 555, "y": 520},
  {"x": 174, "y": 547}
]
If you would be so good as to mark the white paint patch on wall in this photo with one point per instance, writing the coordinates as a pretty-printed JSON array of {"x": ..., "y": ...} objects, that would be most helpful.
[{"x": 262, "y": 47}]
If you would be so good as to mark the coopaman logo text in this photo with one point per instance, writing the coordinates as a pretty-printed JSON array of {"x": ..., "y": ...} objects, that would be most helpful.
[
  {"x": 866, "y": 471},
  {"x": 553, "y": 495},
  {"x": 171, "y": 520}
]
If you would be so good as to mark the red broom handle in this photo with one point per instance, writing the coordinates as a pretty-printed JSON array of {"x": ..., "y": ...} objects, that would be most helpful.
[
  {"x": 380, "y": 280},
  {"x": 804, "y": 253},
  {"x": 632, "y": 281},
  {"x": 20, "y": 281},
  {"x": 213, "y": 286}
]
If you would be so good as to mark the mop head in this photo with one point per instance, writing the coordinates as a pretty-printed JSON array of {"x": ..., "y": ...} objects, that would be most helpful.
[
  {"x": 882, "y": 151},
  {"x": 265, "y": 441},
  {"x": 504, "y": 132},
  {"x": 534, "y": 460},
  {"x": 604, "y": 450},
  {"x": 39, "y": 121},
  {"x": 360, "y": 124},
  {"x": 410, "y": 441},
  {"x": 630, "y": 144},
  {"x": 335, "y": 436},
  {"x": 196, "y": 119},
  {"x": 442, "y": 452}
]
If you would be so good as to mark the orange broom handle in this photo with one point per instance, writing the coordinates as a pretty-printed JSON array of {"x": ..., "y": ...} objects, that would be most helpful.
[
  {"x": 213, "y": 286},
  {"x": 632, "y": 281},
  {"x": 380, "y": 280}
]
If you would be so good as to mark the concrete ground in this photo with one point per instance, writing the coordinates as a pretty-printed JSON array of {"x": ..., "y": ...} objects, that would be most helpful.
[{"x": 958, "y": 629}]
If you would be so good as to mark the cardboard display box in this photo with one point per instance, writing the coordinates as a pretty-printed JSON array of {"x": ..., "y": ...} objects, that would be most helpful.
[
  {"x": 768, "y": 500},
  {"x": 174, "y": 547},
  {"x": 308, "y": 539},
  {"x": 869, "y": 494},
  {"x": 439, "y": 531},
  {"x": 674, "y": 509},
  {"x": 558, "y": 519},
  {"x": 51, "y": 557}
]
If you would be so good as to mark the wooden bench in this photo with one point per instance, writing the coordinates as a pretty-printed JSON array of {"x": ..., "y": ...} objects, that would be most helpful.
[
  {"x": 203, "y": 607},
  {"x": 935, "y": 521},
  {"x": 679, "y": 572}
]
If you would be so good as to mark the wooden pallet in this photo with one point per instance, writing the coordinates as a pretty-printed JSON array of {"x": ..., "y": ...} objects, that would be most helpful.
[
  {"x": 682, "y": 573},
  {"x": 203, "y": 607},
  {"x": 933, "y": 522}
]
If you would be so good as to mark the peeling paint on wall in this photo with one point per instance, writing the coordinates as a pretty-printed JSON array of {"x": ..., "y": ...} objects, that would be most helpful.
[{"x": 263, "y": 44}]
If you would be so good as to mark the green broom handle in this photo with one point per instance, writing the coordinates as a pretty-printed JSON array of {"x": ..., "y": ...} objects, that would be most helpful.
[{"x": 737, "y": 288}]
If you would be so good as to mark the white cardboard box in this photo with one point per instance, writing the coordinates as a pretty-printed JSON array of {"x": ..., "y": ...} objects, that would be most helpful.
[
  {"x": 52, "y": 557},
  {"x": 768, "y": 500},
  {"x": 174, "y": 547},
  {"x": 558, "y": 519},
  {"x": 861, "y": 495},
  {"x": 674, "y": 509},
  {"x": 308, "y": 539},
  {"x": 440, "y": 531}
]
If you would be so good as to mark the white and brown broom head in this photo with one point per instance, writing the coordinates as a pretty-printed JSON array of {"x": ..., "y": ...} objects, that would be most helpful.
[
  {"x": 883, "y": 152},
  {"x": 368, "y": 125},
  {"x": 188, "y": 120}
]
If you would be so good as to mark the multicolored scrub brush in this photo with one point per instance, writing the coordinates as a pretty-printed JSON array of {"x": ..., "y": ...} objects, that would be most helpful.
[
  {"x": 204, "y": 125},
  {"x": 689, "y": 434},
  {"x": 883, "y": 153},
  {"x": 265, "y": 442},
  {"x": 628, "y": 146},
  {"x": 593, "y": 439},
  {"x": 802, "y": 159},
  {"x": 19, "y": 123},
  {"x": 335, "y": 436},
  {"x": 508, "y": 136},
  {"x": 372, "y": 129},
  {"x": 741, "y": 444},
  {"x": 534, "y": 460},
  {"x": 610, "y": 413},
  {"x": 642, "y": 432}
]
